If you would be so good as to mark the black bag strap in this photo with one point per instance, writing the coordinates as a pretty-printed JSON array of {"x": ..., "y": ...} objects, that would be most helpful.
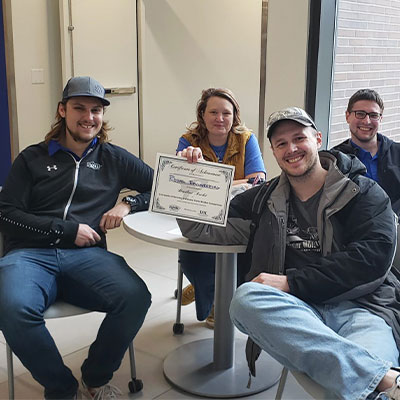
[
  {"x": 257, "y": 208},
  {"x": 253, "y": 351}
]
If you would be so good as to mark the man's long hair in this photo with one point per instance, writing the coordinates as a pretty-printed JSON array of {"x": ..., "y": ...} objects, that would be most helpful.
[
  {"x": 198, "y": 128},
  {"x": 59, "y": 127}
]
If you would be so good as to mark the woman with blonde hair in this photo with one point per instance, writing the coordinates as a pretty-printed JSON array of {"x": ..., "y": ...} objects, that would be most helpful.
[{"x": 217, "y": 135}]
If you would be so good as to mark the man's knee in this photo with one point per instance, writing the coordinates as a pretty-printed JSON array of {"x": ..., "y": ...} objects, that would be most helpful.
[
  {"x": 136, "y": 296},
  {"x": 129, "y": 291},
  {"x": 143, "y": 297},
  {"x": 16, "y": 310},
  {"x": 242, "y": 304},
  {"x": 252, "y": 298}
]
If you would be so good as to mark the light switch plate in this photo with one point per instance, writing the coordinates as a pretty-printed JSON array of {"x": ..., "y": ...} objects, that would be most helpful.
[{"x": 37, "y": 76}]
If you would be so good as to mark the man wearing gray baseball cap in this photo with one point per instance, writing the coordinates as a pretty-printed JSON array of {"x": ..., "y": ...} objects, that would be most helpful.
[
  {"x": 56, "y": 206},
  {"x": 84, "y": 86},
  {"x": 321, "y": 298}
]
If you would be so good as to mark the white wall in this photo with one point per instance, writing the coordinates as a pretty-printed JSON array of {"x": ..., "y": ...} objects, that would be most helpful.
[
  {"x": 190, "y": 45},
  {"x": 109, "y": 56},
  {"x": 287, "y": 39},
  {"x": 36, "y": 46}
]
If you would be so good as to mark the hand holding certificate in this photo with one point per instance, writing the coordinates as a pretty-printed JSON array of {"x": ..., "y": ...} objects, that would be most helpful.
[{"x": 197, "y": 192}]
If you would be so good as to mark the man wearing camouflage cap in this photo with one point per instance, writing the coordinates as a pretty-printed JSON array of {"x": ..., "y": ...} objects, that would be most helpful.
[{"x": 321, "y": 299}]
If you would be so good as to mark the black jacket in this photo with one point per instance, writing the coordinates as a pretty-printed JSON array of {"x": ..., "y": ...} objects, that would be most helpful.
[
  {"x": 45, "y": 198},
  {"x": 357, "y": 232},
  {"x": 388, "y": 166}
]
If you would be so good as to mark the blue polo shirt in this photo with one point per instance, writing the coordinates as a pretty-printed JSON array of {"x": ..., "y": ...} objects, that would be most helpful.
[
  {"x": 371, "y": 163},
  {"x": 55, "y": 146}
]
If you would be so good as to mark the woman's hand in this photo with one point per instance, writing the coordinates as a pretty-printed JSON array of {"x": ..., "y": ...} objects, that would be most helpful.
[{"x": 192, "y": 154}]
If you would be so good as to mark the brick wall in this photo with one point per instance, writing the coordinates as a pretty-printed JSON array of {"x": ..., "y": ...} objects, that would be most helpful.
[{"x": 367, "y": 56}]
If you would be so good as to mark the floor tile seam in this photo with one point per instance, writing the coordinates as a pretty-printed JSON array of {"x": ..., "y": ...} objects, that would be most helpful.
[
  {"x": 166, "y": 391},
  {"x": 136, "y": 269},
  {"x": 147, "y": 353}
]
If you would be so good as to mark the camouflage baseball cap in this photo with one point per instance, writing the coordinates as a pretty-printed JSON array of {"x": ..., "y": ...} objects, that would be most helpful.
[{"x": 291, "y": 113}]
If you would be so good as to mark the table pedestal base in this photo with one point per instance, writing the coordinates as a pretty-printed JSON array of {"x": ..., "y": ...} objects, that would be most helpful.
[{"x": 190, "y": 367}]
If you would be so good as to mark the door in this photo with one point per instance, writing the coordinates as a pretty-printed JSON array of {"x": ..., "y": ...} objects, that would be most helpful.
[
  {"x": 98, "y": 38},
  {"x": 5, "y": 149}
]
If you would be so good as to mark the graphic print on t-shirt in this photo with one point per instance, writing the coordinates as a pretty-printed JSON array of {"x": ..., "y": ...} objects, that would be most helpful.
[
  {"x": 303, "y": 239},
  {"x": 302, "y": 233}
]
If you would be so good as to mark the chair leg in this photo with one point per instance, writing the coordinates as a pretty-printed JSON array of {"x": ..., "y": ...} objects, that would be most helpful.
[
  {"x": 132, "y": 360},
  {"x": 135, "y": 385},
  {"x": 282, "y": 383},
  {"x": 178, "y": 326},
  {"x": 10, "y": 372}
]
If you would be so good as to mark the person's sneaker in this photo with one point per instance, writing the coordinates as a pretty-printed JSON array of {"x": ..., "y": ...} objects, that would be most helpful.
[
  {"x": 187, "y": 295},
  {"x": 210, "y": 319},
  {"x": 103, "y": 392},
  {"x": 394, "y": 392}
]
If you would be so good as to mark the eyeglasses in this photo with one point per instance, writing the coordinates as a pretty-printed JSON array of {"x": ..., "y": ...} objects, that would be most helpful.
[{"x": 373, "y": 116}]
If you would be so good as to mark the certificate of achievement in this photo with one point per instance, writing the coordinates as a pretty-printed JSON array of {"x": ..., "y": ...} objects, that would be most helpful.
[{"x": 197, "y": 192}]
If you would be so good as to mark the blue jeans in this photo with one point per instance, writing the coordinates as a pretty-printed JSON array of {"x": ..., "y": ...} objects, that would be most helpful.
[
  {"x": 344, "y": 348},
  {"x": 199, "y": 268},
  {"x": 93, "y": 278}
]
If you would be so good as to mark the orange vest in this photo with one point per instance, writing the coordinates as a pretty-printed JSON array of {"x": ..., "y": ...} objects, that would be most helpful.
[{"x": 235, "y": 151}]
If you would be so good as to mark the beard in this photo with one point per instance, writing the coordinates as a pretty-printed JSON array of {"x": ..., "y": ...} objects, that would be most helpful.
[
  {"x": 77, "y": 138},
  {"x": 364, "y": 139},
  {"x": 309, "y": 169}
]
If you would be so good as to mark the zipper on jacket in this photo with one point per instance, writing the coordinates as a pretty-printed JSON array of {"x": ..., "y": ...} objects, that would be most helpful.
[
  {"x": 77, "y": 165},
  {"x": 282, "y": 245}
]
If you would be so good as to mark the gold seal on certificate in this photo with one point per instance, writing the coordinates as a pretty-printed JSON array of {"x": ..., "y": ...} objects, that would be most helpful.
[{"x": 197, "y": 192}]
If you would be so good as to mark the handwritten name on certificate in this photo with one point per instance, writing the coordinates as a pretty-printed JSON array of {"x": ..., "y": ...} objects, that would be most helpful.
[{"x": 197, "y": 192}]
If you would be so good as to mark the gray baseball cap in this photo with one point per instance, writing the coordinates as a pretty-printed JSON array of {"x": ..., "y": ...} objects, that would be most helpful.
[
  {"x": 85, "y": 86},
  {"x": 291, "y": 113}
]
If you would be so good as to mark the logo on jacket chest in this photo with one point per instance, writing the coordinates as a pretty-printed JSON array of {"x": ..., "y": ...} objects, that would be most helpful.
[
  {"x": 93, "y": 165},
  {"x": 52, "y": 167}
]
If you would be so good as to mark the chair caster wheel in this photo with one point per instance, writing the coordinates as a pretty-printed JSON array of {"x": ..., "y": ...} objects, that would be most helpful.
[
  {"x": 135, "y": 385},
  {"x": 178, "y": 329},
  {"x": 176, "y": 293}
]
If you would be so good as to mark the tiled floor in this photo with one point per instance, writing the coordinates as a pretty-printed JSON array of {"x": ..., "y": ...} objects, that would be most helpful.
[{"x": 158, "y": 267}]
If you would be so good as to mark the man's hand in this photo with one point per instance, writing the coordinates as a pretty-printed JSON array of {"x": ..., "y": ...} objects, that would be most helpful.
[
  {"x": 112, "y": 218},
  {"x": 192, "y": 154},
  {"x": 86, "y": 236},
  {"x": 277, "y": 281}
]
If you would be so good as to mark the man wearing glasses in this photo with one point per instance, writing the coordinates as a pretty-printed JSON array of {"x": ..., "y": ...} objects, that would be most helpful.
[{"x": 378, "y": 153}]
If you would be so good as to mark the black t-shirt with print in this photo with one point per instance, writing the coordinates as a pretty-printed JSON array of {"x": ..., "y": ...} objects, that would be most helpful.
[{"x": 302, "y": 241}]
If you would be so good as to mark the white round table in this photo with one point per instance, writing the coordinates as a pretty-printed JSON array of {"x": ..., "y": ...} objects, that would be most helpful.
[{"x": 209, "y": 367}]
